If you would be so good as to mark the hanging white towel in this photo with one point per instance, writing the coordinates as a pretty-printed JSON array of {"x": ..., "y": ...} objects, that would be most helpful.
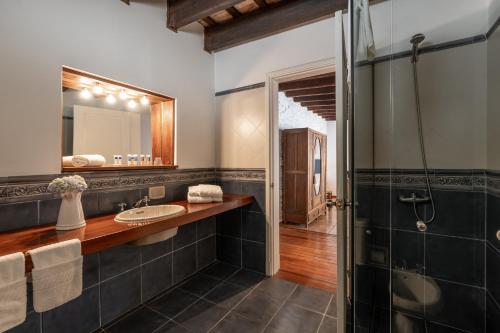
[
  {"x": 366, "y": 44},
  {"x": 56, "y": 274},
  {"x": 12, "y": 291},
  {"x": 194, "y": 199},
  {"x": 206, "y": 190},
  {"x": 80, "y": 161}
]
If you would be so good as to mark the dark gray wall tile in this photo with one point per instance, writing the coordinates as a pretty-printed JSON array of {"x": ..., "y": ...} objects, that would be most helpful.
[
  {"x": 492, "y": 314},
  {"x": 258, "y": 191},
  {"x": 401, "y": 214},
  {"x": 156, "y": 276},
  {"x": 90, "y": 204},
  {"x": 80, "y": 315},
  {"x": 455, "y": 259},
  {"x": 493, "y": 220},
  {"x": 49, "y": 211},
  {"x": 254, "y": 256},
  {"x": 118, "y": 259},
  {"x": 184, "y": 263},
  {"x": 207, "y": 252},
  {"x": 120, "y": 294},
  {"x": 108, "y": 201},
  {"x": 254, "y": 226},
  {"x": 153, "y": 251},
  {"x": 229, "y": 250},
  {"x": 186, "y": 235},
  {"x": 407, "y": 249},
  {"x": 90, "y": 270},
  {"x": 18, "y": 215},
  {"x": 229, "y": 223},
  {"x": 206, "y": 227},
  {"x": 493, "y": 272},
  {"x": 230, "y": 186}
]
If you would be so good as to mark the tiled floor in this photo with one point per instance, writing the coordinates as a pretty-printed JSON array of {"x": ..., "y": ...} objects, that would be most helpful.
[{"x": 224, "y": 298}]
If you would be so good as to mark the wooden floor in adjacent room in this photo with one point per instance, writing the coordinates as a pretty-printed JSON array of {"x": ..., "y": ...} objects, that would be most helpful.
[{"x": 308, "y": 258}]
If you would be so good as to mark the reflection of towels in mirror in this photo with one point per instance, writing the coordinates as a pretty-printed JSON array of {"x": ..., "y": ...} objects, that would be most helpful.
[{"x": 80, "y": 161}]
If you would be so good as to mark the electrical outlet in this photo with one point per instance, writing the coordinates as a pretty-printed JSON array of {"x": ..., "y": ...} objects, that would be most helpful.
[{"x": 157, "y": 192}]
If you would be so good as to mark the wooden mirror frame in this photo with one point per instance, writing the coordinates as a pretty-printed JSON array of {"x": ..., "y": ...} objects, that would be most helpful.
[{"x": 162, "y": 119}]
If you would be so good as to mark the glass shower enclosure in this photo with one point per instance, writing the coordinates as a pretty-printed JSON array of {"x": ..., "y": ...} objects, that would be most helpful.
[{"x": 425, "y": 92}]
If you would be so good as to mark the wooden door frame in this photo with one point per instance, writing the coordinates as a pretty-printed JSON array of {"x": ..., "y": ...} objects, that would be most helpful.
[{"x": 273, "y": 79}]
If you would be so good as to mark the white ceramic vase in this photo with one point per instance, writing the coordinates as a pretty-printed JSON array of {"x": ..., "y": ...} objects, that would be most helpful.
[{"x": 71, "y": 212}]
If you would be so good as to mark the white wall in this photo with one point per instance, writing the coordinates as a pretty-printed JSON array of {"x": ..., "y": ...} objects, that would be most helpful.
[
  {"x": 493, "y": 118},
  {"x": 249, "y": 63},
  {"x": 494, "y": 11},
  {"x": 453, "y": 100},
  {"x": 293, "y": 115},
  {"x": 395, "y": 21},
  {"x": 126, "y": 43},
  {"x": 331, "y": 157}
]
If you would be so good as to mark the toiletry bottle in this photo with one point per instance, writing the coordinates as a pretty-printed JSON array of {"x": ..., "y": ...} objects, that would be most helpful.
[{"x": 129, "y": 159}]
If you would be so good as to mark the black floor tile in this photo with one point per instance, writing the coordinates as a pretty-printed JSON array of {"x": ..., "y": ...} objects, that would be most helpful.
[
  {"x": 292, "y": 318},
  {"x": 259, "y": 307},
  {"x": 276, "y": 288},
  {"x": 200, "y": 284},
  {"x": 171, "y": 327},
  {"x": 142, "y": 320},
  {"x": 328, "y": 325},
  {"x": 246, "y": 278},
  {"x": 173, "y": 302},
  {"x": 220, "y": 270},
  {"x": 237, "y": 323},
  {"x": 201, "y": 316},
  {"x": 227, "y": 295},
  {"x": 311, "y": 298}
]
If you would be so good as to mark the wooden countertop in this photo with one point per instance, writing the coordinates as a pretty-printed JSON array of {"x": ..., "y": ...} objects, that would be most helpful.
[{"x": 103, "y": 232}]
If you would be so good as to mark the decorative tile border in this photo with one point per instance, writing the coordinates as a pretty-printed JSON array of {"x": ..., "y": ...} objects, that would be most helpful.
[
  {"x": 241, "y": 174},
  {"x": 493, "y": 182},
  {"x": 444, "y": 179},
  {"x": 30, "y": 188}
]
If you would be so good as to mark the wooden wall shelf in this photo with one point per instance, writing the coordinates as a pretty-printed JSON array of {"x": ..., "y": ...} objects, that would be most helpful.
[
  {"x": 103, "y": 232},
  {"x": 119, "y": 168}
]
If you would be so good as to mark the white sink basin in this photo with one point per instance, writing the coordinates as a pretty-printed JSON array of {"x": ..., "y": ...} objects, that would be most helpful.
[
  {"x": 414, "y": 292},
  {"x": 149, "y": 214}
]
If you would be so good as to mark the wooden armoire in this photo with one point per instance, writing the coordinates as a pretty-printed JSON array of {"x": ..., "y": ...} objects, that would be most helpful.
[{"x": 304, "y": 175}]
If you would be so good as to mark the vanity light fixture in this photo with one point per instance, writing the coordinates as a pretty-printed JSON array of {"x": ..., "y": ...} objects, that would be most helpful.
[
  {"x": 85, "y": 93},
  {"x": 123, "y": 95},
  {"x": 97, "y": 89},
  {"x": 111, "y": 99},
  {"x": 145, "y": 100},
  {"x": 85, "y": 80},
  {"x": 132, "y": 104}
]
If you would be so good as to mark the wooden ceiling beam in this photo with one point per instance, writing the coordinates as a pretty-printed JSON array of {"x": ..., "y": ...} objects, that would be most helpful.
[
  {"x": 327, "y": 81},
  {"x": 261, "y": 3},
  {"x": 310, "y": 92},
  {"x": 318, "y": 103},
  {"x": 326, "y": 97},
  {"x": 322, "y": 108},
  {"x": 235, "y": 13},
  {"x": 268, "y": 21},
  {"x": 183, "y": 12},
  {"x": 209, "y": 22},
  {"x": 126, "y": 2}
]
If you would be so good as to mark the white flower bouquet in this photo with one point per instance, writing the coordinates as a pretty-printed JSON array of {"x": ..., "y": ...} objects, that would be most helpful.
[{"x": 68, "y": 184}]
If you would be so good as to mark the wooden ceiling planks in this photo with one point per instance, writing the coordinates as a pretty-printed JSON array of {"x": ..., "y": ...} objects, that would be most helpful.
[{"x": 316, "y": 93}]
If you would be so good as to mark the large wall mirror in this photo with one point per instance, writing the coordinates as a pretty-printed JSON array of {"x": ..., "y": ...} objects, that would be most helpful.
[{"x": 109, "y": 125}]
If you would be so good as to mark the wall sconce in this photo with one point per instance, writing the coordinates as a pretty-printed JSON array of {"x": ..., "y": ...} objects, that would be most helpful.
[
  {"x": 144, "y": 100},
  {"x": 111, "y": 99},
  {"x": 85, "y": 93},
  {"x": 97, "y": 89}
]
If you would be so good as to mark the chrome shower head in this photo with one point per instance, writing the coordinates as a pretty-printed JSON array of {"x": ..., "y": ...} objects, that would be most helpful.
[{"x": 416, "y": 40}]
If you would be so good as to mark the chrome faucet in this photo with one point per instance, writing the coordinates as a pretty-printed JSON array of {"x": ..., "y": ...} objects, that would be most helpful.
[{"x": 144, "y": 200}]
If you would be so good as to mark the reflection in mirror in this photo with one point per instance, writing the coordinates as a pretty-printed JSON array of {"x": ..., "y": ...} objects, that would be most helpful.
[
  {"x": 110, "y": 125},
  {"x": 317, "y": 166}
]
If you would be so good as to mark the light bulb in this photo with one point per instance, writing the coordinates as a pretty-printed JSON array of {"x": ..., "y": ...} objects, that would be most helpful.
[
  {"x": 145, "y": 100},
  {"x": 132, "y": 104},
  {"x": 85, "y": 93},
  {"x": 111, "y": 99},
  {"x": 97, "y": 89},
  {"x": 123, "y": 94}
]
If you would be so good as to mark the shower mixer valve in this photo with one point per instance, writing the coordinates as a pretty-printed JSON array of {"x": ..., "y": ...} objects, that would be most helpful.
[{"x": 414, "y": 199}]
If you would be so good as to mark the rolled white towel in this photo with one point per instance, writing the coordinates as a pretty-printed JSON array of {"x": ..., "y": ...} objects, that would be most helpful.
[
  {"x": 88, "y": 161},
  {"x": 67, "y": 161},
  {"x": 13, "y": 294},
  {"x": 206, "y": 190},
  {"x": 195, "y": 199},
  {"x": 57, "y": 274}
]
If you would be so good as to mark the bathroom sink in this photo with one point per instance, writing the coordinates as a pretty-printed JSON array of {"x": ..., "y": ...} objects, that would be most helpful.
[
  {"x": 413, "y": 292},
  {"x": 149, "y": 214}
]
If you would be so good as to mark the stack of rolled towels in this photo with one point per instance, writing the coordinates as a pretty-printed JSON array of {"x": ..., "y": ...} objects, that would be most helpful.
[
  {"x": 80, "y": 161},
  {"x": 204, "y": 193}
]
